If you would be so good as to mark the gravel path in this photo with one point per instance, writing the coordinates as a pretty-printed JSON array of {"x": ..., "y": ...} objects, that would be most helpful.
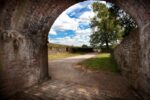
[{"x": 70, "y": 82}]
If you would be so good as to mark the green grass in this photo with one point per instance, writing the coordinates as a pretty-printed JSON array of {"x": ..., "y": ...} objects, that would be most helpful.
[
  {"x": 62, "y": 55},
  {"x": 103, "y": 61}
]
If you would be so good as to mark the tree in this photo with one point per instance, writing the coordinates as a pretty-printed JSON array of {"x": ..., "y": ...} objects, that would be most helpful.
[
  {"x": 106, "y": 28},
  {"x": 109, "y": 25},
  {"x": 124, "y": 19},
  {"x": 84, "y": 46}
]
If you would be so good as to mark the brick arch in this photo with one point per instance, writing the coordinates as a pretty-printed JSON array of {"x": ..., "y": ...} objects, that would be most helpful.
[{"x": 24, "y": 25}]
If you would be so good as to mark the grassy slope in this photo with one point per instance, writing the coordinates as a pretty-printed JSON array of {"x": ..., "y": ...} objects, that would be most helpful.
[
  {"x": 102, "y": 61},
  {"x": 59, "y": 45},
  {"x": 56, "y": 45},
  {"x": 61, "y": 55}
]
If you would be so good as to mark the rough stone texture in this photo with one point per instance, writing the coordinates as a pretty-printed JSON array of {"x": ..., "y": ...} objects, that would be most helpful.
[
  {"x": 21, "y": 64},
  {"x": 145, "y": 60},
  {"x": 24, "y": 25},
  {"x": 54, "y": 50},
  {"x": 128, "y": 56},
  {"x": 139, "y": 10},
  {"x": 79, "y": 83}
]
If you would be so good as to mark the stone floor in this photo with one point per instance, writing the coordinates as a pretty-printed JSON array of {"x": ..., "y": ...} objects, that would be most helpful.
[{"x": 70, "y": 82}]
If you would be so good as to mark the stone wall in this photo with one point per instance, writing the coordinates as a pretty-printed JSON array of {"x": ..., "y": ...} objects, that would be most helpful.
[
  {"x": 139, "y": 10},
  {"x": 145, "y": 60},
  {"x": 24, "y": 25},
  {"x": 127, "y": 55},
  {"x": 25, "y": 63},
  {"x": 54, "y": 50},
  {"x": 57, "y": 48}
]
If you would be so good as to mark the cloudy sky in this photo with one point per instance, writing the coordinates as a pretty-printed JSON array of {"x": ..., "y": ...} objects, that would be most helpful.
[{"x": 72, "y": 27}]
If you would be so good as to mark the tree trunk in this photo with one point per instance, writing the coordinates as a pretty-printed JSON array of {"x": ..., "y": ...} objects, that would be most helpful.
[{"x": 107, "y": 45}]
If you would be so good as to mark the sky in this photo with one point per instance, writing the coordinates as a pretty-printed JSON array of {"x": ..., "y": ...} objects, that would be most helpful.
[{"x": 72, "y": 27}]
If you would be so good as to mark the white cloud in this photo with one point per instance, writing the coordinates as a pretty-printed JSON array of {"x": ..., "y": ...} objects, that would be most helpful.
[
  {"x": 78, "y": 40},
  {"x": 82, "y": 37},
  {"x": 52, "y": 31},
  {"x": 87, "y": 15},
  {"x": 64, "y": 22},
  {"x": 86, "y": 31},
  {"x": 72, "y": 8}
]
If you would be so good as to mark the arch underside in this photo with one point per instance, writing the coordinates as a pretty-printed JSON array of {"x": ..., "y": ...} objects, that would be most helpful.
[{"x": 24, "y": 25}]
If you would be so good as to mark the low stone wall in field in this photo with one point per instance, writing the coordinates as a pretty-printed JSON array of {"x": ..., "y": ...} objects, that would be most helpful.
[{"x": 60, "y": 49}]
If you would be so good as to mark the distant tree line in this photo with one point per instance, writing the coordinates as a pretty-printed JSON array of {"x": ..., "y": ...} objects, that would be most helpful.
[{"x": 56, "y": 48}]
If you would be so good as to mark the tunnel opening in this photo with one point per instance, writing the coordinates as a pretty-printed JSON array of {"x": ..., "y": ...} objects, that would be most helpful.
[
  {"x": 29, "y": 69},
  {"x": 56, "y": 68}
]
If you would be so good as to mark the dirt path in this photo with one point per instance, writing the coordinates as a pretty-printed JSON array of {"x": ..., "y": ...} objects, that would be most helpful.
[
  {"x": 64, "y": 69},
  {"x": 71, "y": 83}
]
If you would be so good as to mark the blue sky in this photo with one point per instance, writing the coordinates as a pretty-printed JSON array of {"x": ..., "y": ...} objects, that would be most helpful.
[{"x": 72, "y": 27}]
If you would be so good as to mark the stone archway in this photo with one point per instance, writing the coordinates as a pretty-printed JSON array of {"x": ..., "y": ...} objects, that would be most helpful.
[{"x": 24, "y": 26}]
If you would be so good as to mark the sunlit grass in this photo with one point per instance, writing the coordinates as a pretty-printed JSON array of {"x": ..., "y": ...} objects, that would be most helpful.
[
  {"x": 62, "y": 55},
  {"x": 103, "y": 61}
]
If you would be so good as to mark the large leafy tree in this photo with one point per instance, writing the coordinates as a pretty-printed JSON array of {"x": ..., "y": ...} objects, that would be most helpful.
[
  {"x": 108, "y": 25},
  {"x": 106, "y": 28},
  {"x": 124, "y": 19}
]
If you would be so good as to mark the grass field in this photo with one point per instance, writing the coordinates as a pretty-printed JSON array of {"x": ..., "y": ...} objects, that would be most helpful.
[
  {"x": 62, "y": 55},
  {"x": 103, "y": 61}
]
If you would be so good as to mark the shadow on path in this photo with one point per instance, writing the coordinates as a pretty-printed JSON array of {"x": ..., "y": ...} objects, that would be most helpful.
[{"x": 72, "y": 83}]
